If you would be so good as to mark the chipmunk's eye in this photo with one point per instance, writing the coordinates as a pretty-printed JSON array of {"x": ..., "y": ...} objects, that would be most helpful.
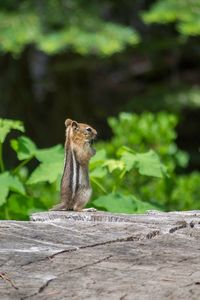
[{"x": 89, "y": 129}]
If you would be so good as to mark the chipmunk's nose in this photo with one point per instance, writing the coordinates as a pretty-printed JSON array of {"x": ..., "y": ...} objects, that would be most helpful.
[{"x": 95, "y": 133}]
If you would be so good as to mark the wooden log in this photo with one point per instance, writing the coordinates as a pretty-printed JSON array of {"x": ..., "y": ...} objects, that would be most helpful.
[{"x": 99, "y": 255}]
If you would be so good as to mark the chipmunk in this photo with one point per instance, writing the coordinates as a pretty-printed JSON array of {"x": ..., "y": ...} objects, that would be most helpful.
[{"x": 75, "y": 185}]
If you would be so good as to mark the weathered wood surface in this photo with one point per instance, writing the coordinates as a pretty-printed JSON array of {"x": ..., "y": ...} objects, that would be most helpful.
[{"x": 95, "y": 255}]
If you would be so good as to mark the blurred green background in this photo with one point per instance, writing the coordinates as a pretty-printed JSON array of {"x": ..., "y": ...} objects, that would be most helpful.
[{"x": 131, "y": 69}]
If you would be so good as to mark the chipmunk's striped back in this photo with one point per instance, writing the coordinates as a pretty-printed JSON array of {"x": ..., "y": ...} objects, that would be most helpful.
[{"x": 75, "y": 185}]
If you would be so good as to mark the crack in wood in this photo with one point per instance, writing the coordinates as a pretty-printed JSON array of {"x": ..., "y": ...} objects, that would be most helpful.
[
  {"x": 91, "y": 264},
  {"x": 180, "y": 225},
  {"x": 131, "y": 238},
  {"x": 45, "y": 285},
  {"x": 155, "y": 250},
  {"x": 40, "y": 290},
  {"x": 5, "y": 277},
  {"x": 152, "y": 234},
  {"x": 139, "y": 237}
]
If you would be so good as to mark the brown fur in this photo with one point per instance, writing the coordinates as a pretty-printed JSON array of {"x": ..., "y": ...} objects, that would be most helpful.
[
  {"x": 75, "y": 186},
  {"x": 80, "y": 140}
]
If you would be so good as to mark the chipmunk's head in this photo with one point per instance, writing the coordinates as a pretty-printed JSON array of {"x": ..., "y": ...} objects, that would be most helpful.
[{"x": 81, "y": 133}]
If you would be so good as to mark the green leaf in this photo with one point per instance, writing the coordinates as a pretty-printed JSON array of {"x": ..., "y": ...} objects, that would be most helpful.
[
  {"x": 98, "y": 172},
  {"x": 101, "y": 38},
  {"x": 52, "y": 154},
  {"x": 185, "y": 17},
  {"x": 3, "y": 193},
  {"x": 147, "y": 163},
  {"x": 7, "y": 183},
  {"x": 119, "y": 203},
  {"x": 24, "y": 147},
  {"x": 16, "y": 22},
  {"x": 124, "y": 149},
  {"x": 46, "y": 172},
  {"x": 85, "y": 34},
  {"x": 114, "y": 164},
  {"x": 129, "y": 159},
  {"x": 99, "y": 157},
  {"x": 20, "y": 206},
  {"x": 51, "y": 165},
  {"x": 7, "y": 125}
]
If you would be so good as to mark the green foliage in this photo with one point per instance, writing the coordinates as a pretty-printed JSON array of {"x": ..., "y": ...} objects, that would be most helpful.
[
  {"x": 7, "y": 125},
  {"x": 22, "y": 193},
  {"x": 120, "y": 203},
  {"x": 18, "y": 206},
  {"x": 56, "y": 26},
  {"x": 147, "y": 131},
  {"x": 24, "y": 148},
  {"x": 9, "y": 183},
  {"x": 185, "y": 97},
  {"x": 51, "y": 164},
  {"x": 126, "y": 176},
  {"x": 186, "y": 193},
  {"x": 147, "y": 163},
  {"x": 100, "y": 39},
  {"x": 17, "y": 30},
  {"x": 156, "y": 132},
  {"x": 110, "y": 177},
  {"x": 185, "y": 13},
  {"x": 19, "y": 196}
]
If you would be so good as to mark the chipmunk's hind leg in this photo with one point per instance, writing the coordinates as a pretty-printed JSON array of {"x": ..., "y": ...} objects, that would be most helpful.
[{"x": 81, "y": 199}]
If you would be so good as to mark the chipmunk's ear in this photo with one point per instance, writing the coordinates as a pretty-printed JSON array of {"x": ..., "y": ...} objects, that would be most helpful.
[
  {"x": 68, "y": 122},
  {"x": 75, "y": 125}
]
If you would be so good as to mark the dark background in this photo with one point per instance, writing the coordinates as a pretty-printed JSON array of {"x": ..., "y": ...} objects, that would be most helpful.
[{"x": 160, "y": 72}]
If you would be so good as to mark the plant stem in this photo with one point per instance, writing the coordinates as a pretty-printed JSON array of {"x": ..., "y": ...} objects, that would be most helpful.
[
  {"x": 23, "y": 163},
  {"x": 99, "y": 185},
  {"x": 1, "y": 157}
]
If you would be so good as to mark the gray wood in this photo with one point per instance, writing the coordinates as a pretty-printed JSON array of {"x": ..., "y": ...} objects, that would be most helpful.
[{"x": 98, "y": 255}]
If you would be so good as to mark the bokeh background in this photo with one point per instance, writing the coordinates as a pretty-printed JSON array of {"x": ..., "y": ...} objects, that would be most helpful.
[{"x": 89, "y": 60}]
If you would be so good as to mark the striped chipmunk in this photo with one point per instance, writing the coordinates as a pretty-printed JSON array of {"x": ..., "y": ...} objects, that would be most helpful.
[{"x": 75, "y": 184}]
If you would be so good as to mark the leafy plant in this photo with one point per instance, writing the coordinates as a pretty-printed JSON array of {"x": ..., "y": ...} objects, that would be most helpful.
[
  {"x": 186, "y": 193},
  {"x": 120, "y": 203},
  {"x": 156, "y": 132},
  {"x": 126, "y": 173},
  {"x": 57, "y": 26},
  {"x": 18, "y": 198},
  {"x": 113, "y": 176},
  {"x": 185, "y": 16},
  {"x": 7, "y": 180},
  {"x": 23, "y": 191}
]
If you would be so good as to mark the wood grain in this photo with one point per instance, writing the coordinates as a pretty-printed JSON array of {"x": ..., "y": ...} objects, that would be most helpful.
[{"x": 99, "y": 255}]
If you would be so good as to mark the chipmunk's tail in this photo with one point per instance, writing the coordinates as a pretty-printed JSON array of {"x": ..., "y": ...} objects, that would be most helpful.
[{"x": 60, "y": 206}]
